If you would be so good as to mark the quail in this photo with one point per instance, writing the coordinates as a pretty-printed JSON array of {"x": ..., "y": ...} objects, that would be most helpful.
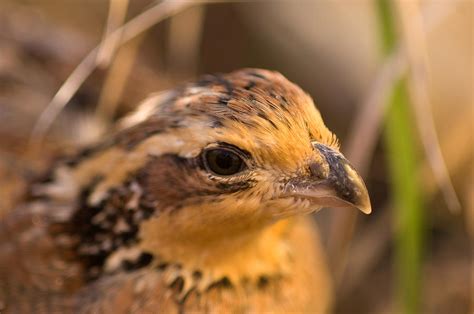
[{"x": 196, "y": 202}]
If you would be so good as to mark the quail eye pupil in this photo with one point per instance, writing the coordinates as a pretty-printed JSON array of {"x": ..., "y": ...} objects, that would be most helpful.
[{"x": 223, "y": 162}]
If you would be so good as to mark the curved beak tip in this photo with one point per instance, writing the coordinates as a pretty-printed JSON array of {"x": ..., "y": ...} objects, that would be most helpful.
[
  {"x": 361, "y": 199},
  {"x": 343, "y": 186},
  {"x": 364, "y": 205}
]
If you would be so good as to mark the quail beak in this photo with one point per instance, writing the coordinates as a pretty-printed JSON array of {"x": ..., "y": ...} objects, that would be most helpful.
[{"x": 332, "y": 182}]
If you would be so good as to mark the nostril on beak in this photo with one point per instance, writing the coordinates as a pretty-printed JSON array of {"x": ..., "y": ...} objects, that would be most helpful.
[{"x": 318, "y": 170}]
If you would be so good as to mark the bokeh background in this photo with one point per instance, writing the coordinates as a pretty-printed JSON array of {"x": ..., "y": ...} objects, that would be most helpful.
[{"x": 393, "y": 79}]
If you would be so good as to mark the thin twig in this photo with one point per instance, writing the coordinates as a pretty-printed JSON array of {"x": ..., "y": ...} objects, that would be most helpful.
[{"x": 130, "y": 30}]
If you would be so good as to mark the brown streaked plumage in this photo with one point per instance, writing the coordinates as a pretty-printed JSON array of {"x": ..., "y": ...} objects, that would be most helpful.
[{"x": 193, "y": 204}]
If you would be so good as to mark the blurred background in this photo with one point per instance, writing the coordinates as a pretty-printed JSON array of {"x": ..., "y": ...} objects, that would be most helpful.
[{"x": 393, "y": 79}]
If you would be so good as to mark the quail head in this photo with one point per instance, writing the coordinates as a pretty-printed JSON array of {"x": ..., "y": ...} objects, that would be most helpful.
[{"x": 195, "y": 203}]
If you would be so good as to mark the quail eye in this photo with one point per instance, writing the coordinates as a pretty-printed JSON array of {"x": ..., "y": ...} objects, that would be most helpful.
[{"x": 223, "y": 162}]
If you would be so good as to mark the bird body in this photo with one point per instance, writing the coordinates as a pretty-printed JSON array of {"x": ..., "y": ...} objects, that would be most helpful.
[{"x": 193, "y": 204}]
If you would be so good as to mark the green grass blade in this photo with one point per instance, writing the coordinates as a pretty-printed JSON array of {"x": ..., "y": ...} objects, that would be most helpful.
[{"x": 402, "y": 158}]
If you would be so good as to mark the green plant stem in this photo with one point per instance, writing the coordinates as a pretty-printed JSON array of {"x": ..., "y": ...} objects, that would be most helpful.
[{"x": 402, "y": 157}]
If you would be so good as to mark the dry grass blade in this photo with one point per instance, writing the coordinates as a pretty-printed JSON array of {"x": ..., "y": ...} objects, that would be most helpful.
[
  {"x": 116, "y": 18},
  {"x": 130, "y": 30},
  {"x": 415, "y": 42},
  {"x": 185, "y": 33},
  {"x": 62, "y": 96},
  {"x": 118, "y": 73},
  {"x": 361, "y": 144},
  {"x": 115, "y": 82},
  {"x": 366, "y": 126}
]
